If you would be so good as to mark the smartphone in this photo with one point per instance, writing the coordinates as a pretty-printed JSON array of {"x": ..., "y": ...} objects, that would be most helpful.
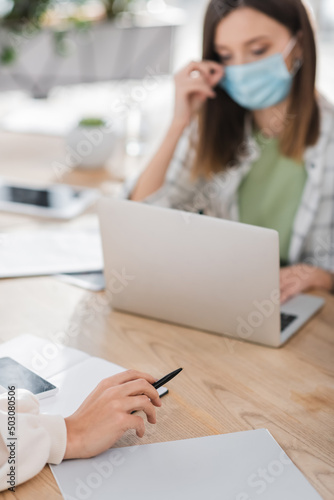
[
  {"x": 14, "y": 374},
  {"x": 58, "y": 200},
  {"x": 48, "y": 197}
]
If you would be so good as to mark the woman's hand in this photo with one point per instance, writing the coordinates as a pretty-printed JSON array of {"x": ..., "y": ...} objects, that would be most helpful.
[
  {"x": 105, "y": 414},
  {"x": 302, "y": 277},
  {"x": 193, "y": 86}
]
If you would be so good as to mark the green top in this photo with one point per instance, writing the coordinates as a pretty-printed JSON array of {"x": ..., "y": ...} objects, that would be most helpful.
[{"x": 271, "y": 192}]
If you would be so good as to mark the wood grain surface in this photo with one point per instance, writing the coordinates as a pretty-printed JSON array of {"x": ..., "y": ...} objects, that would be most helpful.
[{"x": 226, "y": 386}]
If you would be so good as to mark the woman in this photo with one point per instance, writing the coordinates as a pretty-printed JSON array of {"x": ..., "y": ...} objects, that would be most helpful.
[
  {"x": 98, "y": 423},
  {"x": 251, "y": 140}
]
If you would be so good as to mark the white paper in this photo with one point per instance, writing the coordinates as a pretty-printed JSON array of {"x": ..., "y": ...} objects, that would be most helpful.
[
  {"x": 43, "y": 356},
  {"x": 75, "y": 384},
  {"x": 49, "y": 252},
  {"x": 74, "y": 372},
  {"x": 240, "y": 466}
]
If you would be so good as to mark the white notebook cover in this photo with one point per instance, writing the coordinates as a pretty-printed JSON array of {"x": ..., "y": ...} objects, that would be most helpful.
[{"x": 246, "y": 465}]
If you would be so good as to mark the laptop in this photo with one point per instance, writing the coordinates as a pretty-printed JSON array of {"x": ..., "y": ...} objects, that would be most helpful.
[{"x": 198, "y": 271}]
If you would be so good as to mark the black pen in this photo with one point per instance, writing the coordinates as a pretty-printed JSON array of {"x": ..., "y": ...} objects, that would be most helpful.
[
  {"x": 167, "y": 378},
  {"x": 163, "y": 381}
]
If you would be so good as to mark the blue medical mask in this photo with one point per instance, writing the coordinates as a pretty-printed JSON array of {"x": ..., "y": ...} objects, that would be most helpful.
[{"x": 260, "y": 84}]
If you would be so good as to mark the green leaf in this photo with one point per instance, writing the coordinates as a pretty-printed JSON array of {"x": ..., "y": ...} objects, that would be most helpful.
[
  {"x": 8, "y": 55},
  {"x": 92, "y": 122}
]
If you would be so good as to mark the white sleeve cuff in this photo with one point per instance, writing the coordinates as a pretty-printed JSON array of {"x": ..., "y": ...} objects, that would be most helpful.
[{"x": 56, "y": 429}]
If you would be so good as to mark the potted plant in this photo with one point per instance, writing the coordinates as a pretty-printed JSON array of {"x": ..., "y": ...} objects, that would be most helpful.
[
  {"x": 19, "y": 20},
  {"x": 90, "y": 143},
  {"x": 24, "y": 19},
  {"x": 116, "y": 7},
  {"x": 44, "y": 43}
]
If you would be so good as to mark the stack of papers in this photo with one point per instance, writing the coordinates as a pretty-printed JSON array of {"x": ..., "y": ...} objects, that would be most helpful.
[{"x": 49, "y": 252}]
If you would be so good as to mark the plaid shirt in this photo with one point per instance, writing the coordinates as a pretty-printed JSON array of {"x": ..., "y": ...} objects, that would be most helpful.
[{"x": 312, "y": 239}]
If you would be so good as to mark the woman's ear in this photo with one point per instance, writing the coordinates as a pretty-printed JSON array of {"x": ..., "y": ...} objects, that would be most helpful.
[
  {"x": 298, "y": 50},
  {"x": 296, "y": 60}
]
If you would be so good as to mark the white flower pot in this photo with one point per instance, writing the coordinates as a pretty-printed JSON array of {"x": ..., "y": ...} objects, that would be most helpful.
[{"x": 90, "y": 147}]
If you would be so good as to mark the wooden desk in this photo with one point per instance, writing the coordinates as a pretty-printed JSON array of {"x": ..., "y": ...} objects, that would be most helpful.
[{"x": 226, "y": 385}]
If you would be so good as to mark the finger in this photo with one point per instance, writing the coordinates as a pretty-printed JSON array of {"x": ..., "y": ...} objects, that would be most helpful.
[
  {"x": 284, "y": 271},
  {"x": 123, "y": 378},
  {"x": 196, "y": 75},
  {"x": 197, "y": 87},
  {"x": 196, "y": 83},
  {"x": 211, "y": 77},
  {"x": 285, "y": 296},
  {"x": 285, "y": 286},
  {"x": 139, "y": 387},
  {"x": 290, "y": 283},
  {"x": 289, "y": 290},
  {"x": 192, "y": 66},
  {"x": 135, "y": 422},
  {"x": 140, "y": 403},
  {"x": 283, "y": 276},
  {"x": 215, "y": 79},
  {"x": 205, "y": 68},
  {"x": 135, "y": 375},
  {"x": 213, "y": 64},
  {"x": 215, "y": 73}
]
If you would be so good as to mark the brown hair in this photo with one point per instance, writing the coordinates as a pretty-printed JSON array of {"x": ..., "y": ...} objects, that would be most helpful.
[{"x": 222, "y": 121}]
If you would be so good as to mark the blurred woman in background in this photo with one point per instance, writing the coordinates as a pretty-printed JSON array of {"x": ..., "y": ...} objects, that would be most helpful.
[{"x": 251, "y": 140}]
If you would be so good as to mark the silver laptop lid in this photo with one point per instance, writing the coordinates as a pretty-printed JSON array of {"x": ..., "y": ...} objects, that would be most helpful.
[{"x": 194, "y": 270}]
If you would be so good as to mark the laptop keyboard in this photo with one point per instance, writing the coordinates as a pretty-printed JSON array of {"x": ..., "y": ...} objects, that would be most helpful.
[{"x": 286, "y": 320}]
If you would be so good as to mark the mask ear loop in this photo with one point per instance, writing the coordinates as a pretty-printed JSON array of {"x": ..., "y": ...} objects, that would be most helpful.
[
  {"x": 297, "y": 62},
  {"x": 296, "y": 66},
  {"x": 291, "y": 45}
]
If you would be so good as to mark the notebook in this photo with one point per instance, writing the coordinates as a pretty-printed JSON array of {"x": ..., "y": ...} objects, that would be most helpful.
[
  {"x": 74, "y": 372},
  {"x": 240, "y": 466}
]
